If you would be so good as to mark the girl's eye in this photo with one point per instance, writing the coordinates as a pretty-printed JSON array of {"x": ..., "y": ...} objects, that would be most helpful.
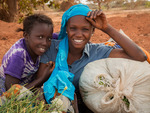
[
  {"x": 72, "y": 28},
  {"x": 40, "y": 37},
  {"x": 85, "y": 29},
  {"x": 49, "y": 38}
]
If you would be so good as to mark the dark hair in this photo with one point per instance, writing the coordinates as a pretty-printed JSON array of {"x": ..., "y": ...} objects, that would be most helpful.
[{"x": 29, "y": 22}]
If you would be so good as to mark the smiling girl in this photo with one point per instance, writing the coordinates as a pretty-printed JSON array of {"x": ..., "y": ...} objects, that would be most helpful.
[
  {"x": 74, "y": 51},
  {"x": 21, "y": 62}
]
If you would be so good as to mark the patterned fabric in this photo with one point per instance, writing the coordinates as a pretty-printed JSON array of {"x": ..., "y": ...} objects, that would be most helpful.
[
  {"x": 14, "y": 90},
  {"x": 17, "y": 91},
  {"x": 18, "y": 63},
  {"x": 2, "y": 86},
  {"x": 147, "y": 54},
  {"x": 115, "y": 45},
  {"x": 55, "y": 36}
]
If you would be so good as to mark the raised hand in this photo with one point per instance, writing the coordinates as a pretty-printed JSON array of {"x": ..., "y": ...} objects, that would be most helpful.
[{"x": 98, "y": 19}]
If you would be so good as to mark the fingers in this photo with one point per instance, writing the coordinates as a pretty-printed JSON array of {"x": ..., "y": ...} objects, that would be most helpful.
[
  {"x": 100, "y": 12},
  {"x": 97, "y": 18},
  {"x": 75, "y": 97},
  {"x": 51, "y": 64},
  {"x": 94, "y": 14},
  {"x": 91, "y": 21}
]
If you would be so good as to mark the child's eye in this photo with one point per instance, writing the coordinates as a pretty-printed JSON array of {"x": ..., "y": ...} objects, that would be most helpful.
[
  {"x": 40, "y": 37},
  {"x": 49, "y": 38}
]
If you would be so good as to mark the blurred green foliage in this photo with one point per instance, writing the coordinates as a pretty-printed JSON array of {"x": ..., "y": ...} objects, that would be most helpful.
[
  {"x": 125, "y": 4},
  {"x": 24, "y": 8},
  {"x": 147, "y": 4}
]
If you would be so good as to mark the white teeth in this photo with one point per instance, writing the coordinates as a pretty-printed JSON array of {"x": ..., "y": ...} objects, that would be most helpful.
[
  {"x": 78, "y": 41},
  {"x": 42, "y": 49}
]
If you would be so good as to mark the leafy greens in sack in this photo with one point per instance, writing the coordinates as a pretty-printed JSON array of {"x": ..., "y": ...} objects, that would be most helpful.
[{"x": 116, "y": 85}]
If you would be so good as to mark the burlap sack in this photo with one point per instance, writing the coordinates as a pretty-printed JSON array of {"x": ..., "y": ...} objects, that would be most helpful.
[{"x": 116, "y": 85}]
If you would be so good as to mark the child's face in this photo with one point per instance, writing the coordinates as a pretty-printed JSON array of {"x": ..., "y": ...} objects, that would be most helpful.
[
  {"x": 39, "y": 40},
  {"x": 79, "y": 31}
]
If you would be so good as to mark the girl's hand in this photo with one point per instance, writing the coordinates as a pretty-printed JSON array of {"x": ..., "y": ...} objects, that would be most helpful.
[
  {"x": 97, "y": 19},
  {"x": 50, "y": 67}
]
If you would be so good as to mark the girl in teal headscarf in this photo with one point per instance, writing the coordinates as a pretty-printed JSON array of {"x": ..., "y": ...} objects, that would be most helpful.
[{"x": 75, "y": 51}]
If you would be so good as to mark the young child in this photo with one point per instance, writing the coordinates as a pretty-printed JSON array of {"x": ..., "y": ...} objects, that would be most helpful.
[{"x": 21, "y": 62}]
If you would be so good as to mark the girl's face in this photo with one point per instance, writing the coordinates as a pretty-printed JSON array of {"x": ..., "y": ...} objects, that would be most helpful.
[
  {"x": 39, "y": 40},
  {"x": 79, "y": 31}
]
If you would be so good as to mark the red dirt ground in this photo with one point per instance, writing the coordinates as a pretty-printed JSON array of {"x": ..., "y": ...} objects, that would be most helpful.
[{"x": 136, "y": 24}]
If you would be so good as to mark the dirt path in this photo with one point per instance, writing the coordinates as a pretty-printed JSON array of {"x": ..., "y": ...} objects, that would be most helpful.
[{"x": 135, "y": 23}]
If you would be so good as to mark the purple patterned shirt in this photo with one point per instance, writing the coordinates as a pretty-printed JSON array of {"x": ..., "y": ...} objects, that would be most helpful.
[{"x": 18, "y": 63}]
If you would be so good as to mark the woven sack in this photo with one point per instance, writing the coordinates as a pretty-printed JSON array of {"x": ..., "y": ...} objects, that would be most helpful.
[{"x": 116, "y": 85}]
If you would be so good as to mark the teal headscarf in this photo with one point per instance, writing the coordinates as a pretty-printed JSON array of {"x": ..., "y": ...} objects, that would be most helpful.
[
  {"x": 61, "y": 77},
  {"x": 75, "y": 10}
]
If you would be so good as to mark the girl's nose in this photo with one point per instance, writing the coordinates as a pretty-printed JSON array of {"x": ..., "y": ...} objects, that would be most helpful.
[
  {"x": 79, "y": 33},
  {"x": 44, "y": 41}
]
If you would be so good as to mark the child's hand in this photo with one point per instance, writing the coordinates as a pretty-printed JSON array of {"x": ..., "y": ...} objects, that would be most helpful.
[
  {"x": 97, "y": 19},
  {"x": 45, "y": 71},
  {"x": 48, "y": 69},
  {"x": 50, "y": 66}
]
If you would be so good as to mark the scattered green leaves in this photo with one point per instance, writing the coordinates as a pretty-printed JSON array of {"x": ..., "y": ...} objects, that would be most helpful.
[
  {"x": 28, "y": 104},
  {"x": 126, "y": 101}
]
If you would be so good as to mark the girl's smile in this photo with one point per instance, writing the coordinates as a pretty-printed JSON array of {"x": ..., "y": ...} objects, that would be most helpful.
[
  {"x": 79, "y": 31},
  {"x": 78, "y": 41},
  {"x": 39, "y": 40}
]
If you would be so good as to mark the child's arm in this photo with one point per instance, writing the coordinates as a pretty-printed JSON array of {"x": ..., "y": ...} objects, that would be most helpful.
[
  {"x": 45, "y": 70},
  {"x": 130, "y": 49},
  {"x": 10, "y": 80}
]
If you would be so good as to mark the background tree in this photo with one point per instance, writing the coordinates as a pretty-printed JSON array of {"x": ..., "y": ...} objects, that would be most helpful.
[
  {"x": 99, "y": 2},
  {"x": 10, "y": 9},
  {"x": 128, "y": 4},
  {"x": 66, "y": 4}
]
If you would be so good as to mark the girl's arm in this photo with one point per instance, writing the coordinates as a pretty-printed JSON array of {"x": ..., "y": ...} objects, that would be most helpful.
[
  {"x": 10, "y": 80},
  {"x": 42, "y": 75},
  {"x": 130, "y": 49}
]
